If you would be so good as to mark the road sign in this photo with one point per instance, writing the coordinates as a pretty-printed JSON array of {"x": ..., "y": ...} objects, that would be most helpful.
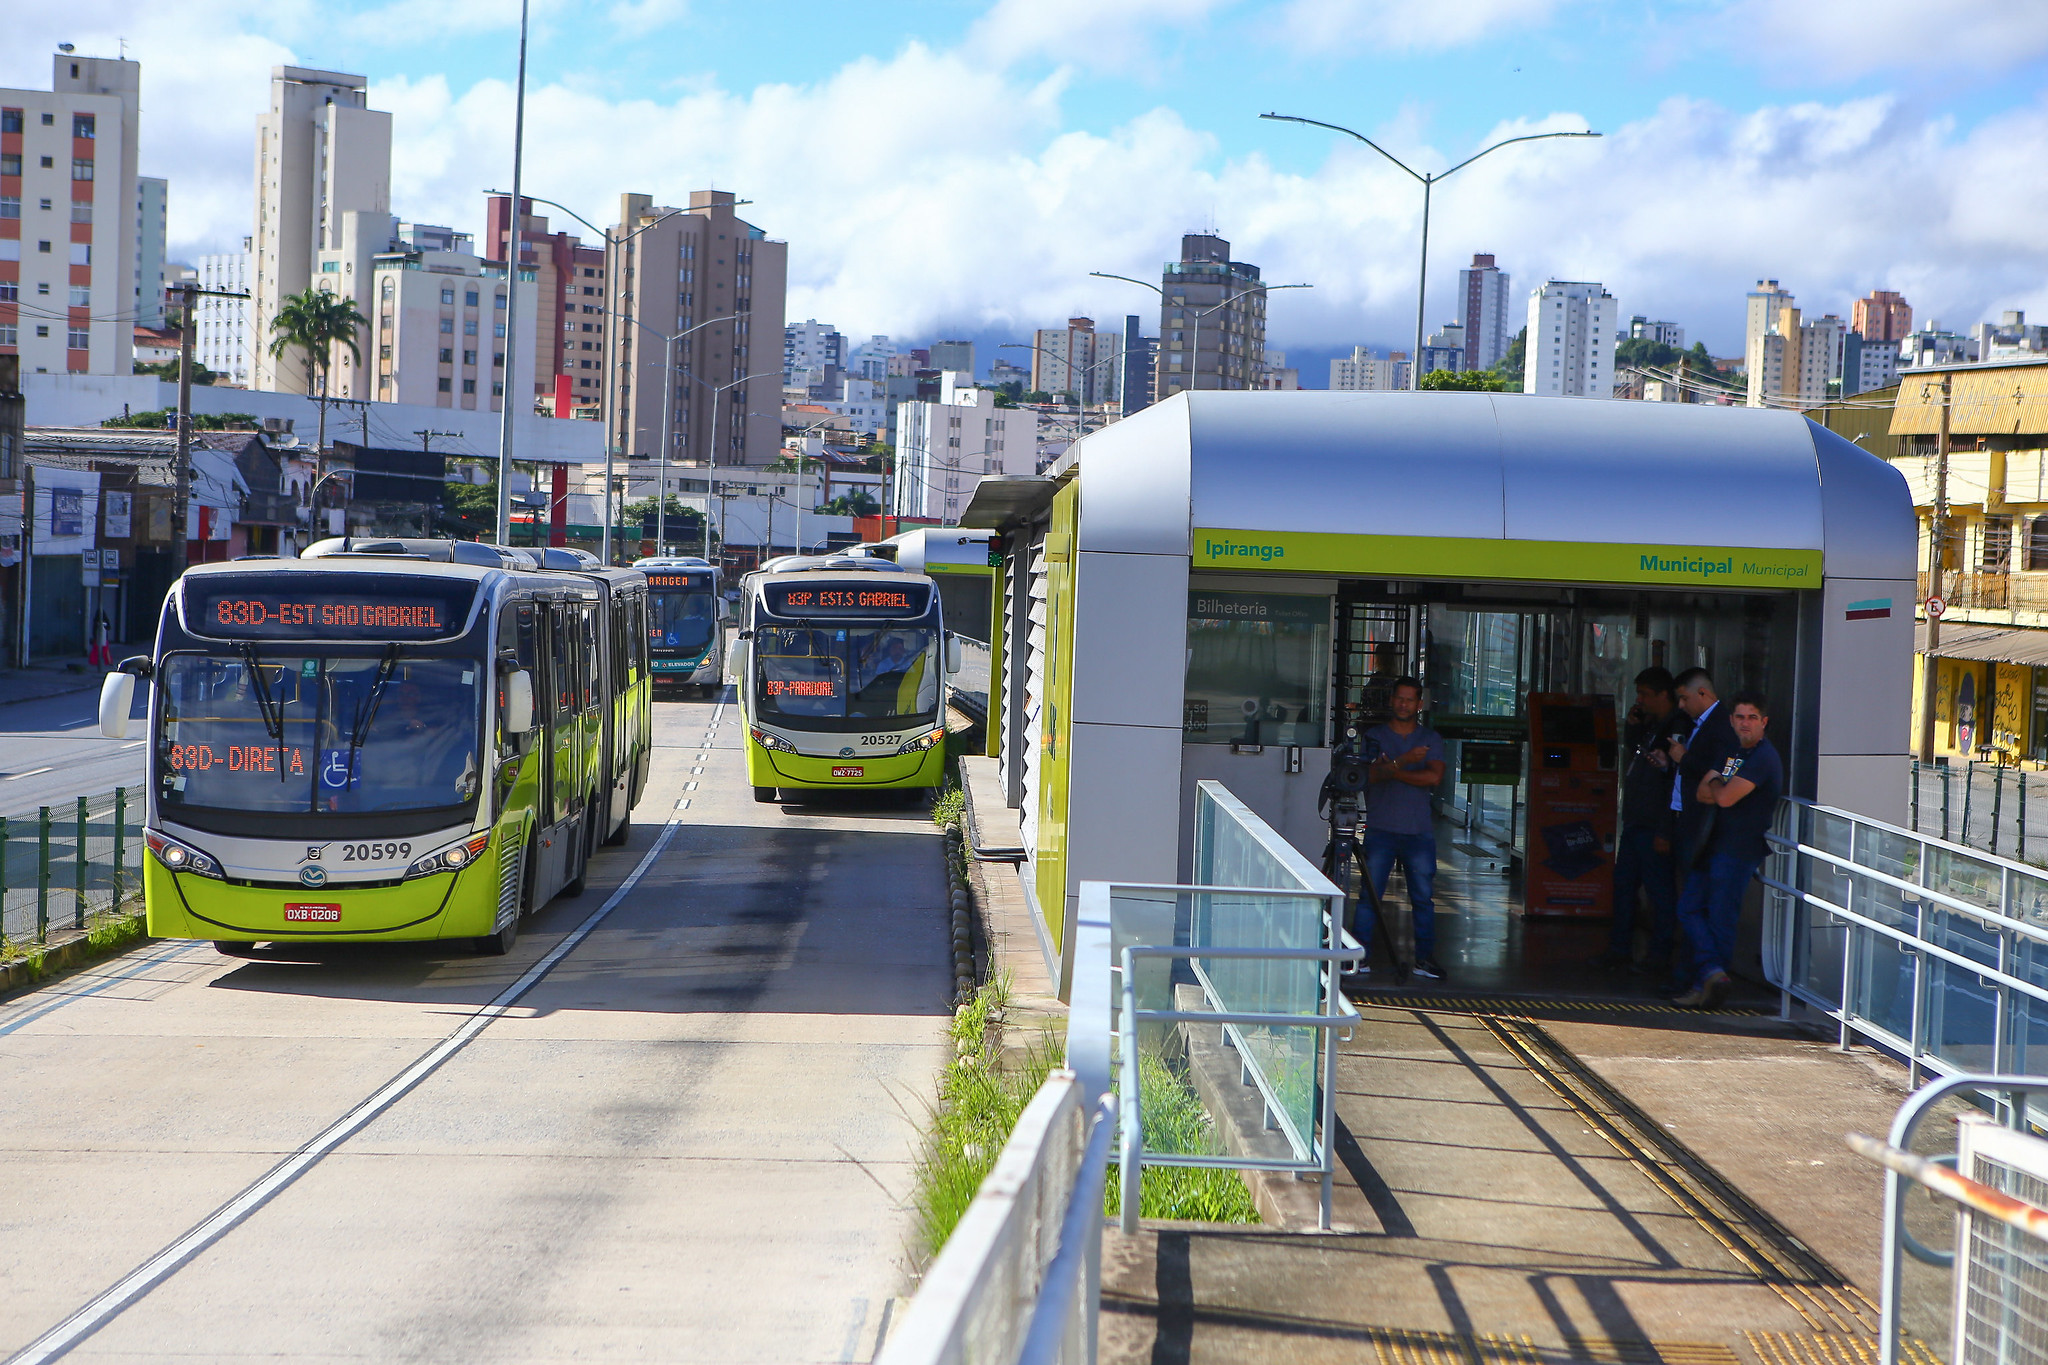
[{"x": 1935, "y": 607}]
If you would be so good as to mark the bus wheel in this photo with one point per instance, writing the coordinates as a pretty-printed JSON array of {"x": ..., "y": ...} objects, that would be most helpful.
[
  {"x": 765, "y": 795},
  {"x": 621, "y": 834},
  {"x": 500, "y": 943}
]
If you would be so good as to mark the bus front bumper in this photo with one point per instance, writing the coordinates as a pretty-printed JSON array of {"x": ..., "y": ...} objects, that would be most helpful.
[
  {"x": 777, "y": 769},
  {"x": 460, "y": 904}
]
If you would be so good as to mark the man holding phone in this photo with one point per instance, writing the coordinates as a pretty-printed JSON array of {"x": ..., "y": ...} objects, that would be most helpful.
[{"x": 1743, "y": 791}]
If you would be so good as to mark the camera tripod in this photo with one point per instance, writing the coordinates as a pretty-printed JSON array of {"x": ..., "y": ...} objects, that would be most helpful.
[{"x": 1340, "y": 799}]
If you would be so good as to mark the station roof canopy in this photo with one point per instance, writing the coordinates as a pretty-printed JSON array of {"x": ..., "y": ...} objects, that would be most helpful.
[
  {"x": 1501, "y": 476},
  {"x": 1002, "y": 500}
]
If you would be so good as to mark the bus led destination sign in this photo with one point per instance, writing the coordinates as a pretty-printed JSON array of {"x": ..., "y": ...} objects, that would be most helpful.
[
  {"x": 678, "y": 580},
  {"x": 326, "y": 612},
  {"x": 851, "y": 599}
]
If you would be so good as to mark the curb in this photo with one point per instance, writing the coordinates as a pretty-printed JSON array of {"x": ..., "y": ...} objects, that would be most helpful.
[
  {"x": 960, "y": 897},
  {"x": 79, "y": 950}
]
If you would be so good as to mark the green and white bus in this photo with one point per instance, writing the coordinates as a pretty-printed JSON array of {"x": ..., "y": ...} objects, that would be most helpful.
[
  {"x": 840, "y": 666},
  {"x": 685, "y": 622},
  {"x": 386, "y": 745}
]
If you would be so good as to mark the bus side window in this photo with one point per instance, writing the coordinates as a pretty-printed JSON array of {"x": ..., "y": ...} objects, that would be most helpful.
[
  {"x": 516, "y": 633},
  {"x": 564, "y": 661},
  {"x": 639, "y": 632},
  {"x": 587, "y": 619}
]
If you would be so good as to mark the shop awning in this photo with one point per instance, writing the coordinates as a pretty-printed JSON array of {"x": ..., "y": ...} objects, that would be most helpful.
[{"x": 1990, "y": 644}]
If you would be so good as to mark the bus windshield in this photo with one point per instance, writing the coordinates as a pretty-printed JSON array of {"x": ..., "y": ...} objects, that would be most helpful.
[
  {"x": 860, "y": 674},
  {"x": 681, "y": 619},
  {"x": 287, "y": 731}
]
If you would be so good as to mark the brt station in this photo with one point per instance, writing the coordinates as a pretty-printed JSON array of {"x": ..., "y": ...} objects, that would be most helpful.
[{"x": 1220, "y": 586}]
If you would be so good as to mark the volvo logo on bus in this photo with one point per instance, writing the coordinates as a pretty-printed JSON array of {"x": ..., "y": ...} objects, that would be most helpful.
[{"x": 312, "y": 876}]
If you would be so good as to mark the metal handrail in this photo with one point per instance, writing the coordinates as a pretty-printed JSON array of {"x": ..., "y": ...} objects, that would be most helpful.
[
  {"x": 1919, "y": 890},
  {"x": 1897, "y": 1240}
]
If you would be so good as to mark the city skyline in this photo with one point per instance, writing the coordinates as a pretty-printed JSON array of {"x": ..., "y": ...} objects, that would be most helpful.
[{"x": 1718, "y": 167}]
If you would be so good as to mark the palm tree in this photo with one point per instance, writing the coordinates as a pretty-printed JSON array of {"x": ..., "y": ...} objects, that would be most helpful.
[{"x": 314, "y": 321}]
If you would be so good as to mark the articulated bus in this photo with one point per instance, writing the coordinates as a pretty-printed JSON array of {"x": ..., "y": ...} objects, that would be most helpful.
[
  {"x": 384, "y": 745},
  {"x": 840, "y": 665},
  {"x": 685, "y": 622},
  {"x": 961, "y": 562}
]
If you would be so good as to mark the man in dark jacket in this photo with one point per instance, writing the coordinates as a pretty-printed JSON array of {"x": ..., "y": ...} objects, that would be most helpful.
[
  {"x": 1699, "y": 750},
  {"x": 1642, "y": 851},
  {"x": 1744, "y": 789}
]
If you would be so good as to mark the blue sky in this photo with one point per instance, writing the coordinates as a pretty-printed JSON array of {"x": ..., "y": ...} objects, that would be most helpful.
[{"x": 941, "y": 167}]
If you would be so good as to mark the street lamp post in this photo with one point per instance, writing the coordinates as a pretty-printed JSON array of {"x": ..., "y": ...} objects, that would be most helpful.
[
  {"x": 1195, "y": 354},
  {"x": 711, "y": 470},
  {"x": 668, "y": 407},
  {"x": 1428, "y": 181},
  {"x": 516, "y": 235},
  {"x": 1080, "y": 416},
  {"x": 507, "y": 401}
]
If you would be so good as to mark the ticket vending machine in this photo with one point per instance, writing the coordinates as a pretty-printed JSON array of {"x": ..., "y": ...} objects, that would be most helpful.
[{"x": 1574, "y": 779}]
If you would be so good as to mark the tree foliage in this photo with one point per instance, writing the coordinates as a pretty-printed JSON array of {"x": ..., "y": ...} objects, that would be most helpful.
[
  {"x": 857, "y": 503},
  {"x": 1466, "y": 381},
  {"x": 315, "y": 322},
  {"x": 162, "y": 419},
  {"x": 168, "y": 369}
]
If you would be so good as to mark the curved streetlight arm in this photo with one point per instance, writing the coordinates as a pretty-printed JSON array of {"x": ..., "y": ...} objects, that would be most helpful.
[
  {"x": 1506, "y": 142},
  {"x": 1349, "y": 132},
  {"x": 1142, "y": 284}
]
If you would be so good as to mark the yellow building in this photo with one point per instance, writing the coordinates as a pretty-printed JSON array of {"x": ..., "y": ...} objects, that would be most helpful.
[{"x": 1991, "y": 690}]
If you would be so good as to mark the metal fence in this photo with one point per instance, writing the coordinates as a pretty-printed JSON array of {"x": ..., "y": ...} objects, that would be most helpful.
[
  {"x": 65, "y": 867},
  {"x": 1998, "y": 1181},
  {"x": 1993, "y": 806}
]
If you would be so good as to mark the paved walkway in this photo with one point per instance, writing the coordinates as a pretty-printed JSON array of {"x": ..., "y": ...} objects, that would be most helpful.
[
  {"x": 47, "y": 679},
  {"x": 1616, "y": 1187}
]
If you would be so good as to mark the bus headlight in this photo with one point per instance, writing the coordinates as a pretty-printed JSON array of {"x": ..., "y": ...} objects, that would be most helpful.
[
  {"x": 922, "y": 743},
  {"x": 453, "y": 858},
  {"x": 768, "y": 741},
  {"x": 179, "y": 857}
]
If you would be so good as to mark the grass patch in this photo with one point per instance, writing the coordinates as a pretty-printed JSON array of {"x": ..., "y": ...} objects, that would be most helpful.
[
  {"x": 977, "y": 1109},
  {"x": 1176, "y": 1123},
  {"x": 950, "y": 806}
]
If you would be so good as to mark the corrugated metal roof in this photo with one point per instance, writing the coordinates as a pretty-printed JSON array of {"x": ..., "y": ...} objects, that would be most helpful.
[
  {"x": 1990, "y": 644},
  {"x": 1984, "y": 400}
]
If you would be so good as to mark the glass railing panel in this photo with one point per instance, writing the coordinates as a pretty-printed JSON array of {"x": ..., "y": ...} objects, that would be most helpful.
[
  {"x": 1884, "y": 981},
  {"x": 1817, "y": 939},
  {"x": 1961, "y": 1009},
  {"x": 1972, "y": 880},
  {"x": 1231, "y": 852},
  {"x": 2026, "y": 1030},
  {"x": 1284, "y": 1057}
]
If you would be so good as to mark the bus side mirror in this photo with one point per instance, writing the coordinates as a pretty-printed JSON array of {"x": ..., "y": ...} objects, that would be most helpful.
[
  {"x": 952, "y": 654},
  {"x": 117, "y": 696},
  {"x": 738, "y": 659},
  {"x": 519, "y": 703}
]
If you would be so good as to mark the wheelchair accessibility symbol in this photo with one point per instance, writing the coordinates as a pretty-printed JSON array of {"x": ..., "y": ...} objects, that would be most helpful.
[{"x": 337, "y": 772}]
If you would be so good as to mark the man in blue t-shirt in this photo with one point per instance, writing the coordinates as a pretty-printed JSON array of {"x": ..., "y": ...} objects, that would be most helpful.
[
  {"x": 1744, "y": 793},
  {"x": 1399, "y": 825}
]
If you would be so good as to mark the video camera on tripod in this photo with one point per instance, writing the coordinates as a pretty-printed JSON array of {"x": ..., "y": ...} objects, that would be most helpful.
[{"x": 1341, "y": 802}]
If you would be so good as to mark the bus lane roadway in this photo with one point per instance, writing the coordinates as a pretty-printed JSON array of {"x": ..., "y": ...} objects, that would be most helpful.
[{"x": 690, "y": 1140}]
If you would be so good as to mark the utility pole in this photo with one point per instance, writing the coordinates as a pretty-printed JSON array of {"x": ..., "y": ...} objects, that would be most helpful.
[
  {"x": 427, "y": 447},
  {"x": 181, "y": 459},
  {"x": 508, "y": 406},
  {"x": 1937, "y": 537}
]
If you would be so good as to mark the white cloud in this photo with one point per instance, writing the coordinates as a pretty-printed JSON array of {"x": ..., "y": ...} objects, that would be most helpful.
[
  {"x": 1856, "y": 37},
  {"x": 1404, "y": 25},
  {"x": 1113, "y": 35}
]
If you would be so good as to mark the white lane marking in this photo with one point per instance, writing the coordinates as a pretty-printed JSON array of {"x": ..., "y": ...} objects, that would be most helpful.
[
  {"x": 689, "y": 786},
  {"x": 683, "y": 804},
  {"x": 32, "y": 772},
  {"x": 136, "y": 745},
  {"x": 695, "y": 771},
  {"x": 717, "y": 712},
  {"x": 104, "y": 1307}
]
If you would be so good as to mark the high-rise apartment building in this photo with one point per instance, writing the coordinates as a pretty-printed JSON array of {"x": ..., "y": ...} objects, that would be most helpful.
[
  {"x": 1669, "y": 334},
  {"x": 221, "y": 341},
  {"x": 944, "y": 448},
  {"x": 870, "y": 360},
  {"x": 1141, "y": 365},
  {"x": 67, "y": 218},
  {"x": 1079, "y": 361},
  {"x": 707, "y": 269},
  {"x": 321, "y": 154},
  {"x": 1485, "y": 311},
  {"x": 569, "y": 330},
  {"x": 1881, "y": 315},
  {"x": 1868, "y": 365},
  {"x": 438, "y": 333},
  {"x": 152, "y": 223},
  {"x": 1570, "y": 351},
  {"x": 1931, "y": 345},
  {"x": 1364, "y": 372},
  {"x": 1445, "y": 349},
  {"x": 957, "y": 356},
  {"x": 2011, "y": 335},
  {"x": 1212, "y": 319},
  {"x": 811, "y": 350},
  {"x": 1790, "y": 361}
]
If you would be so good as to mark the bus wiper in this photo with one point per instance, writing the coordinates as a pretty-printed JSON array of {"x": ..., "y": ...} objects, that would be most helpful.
[
  {"x": 366, "y": 710},
  {"x": 269, "y": 708}
]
